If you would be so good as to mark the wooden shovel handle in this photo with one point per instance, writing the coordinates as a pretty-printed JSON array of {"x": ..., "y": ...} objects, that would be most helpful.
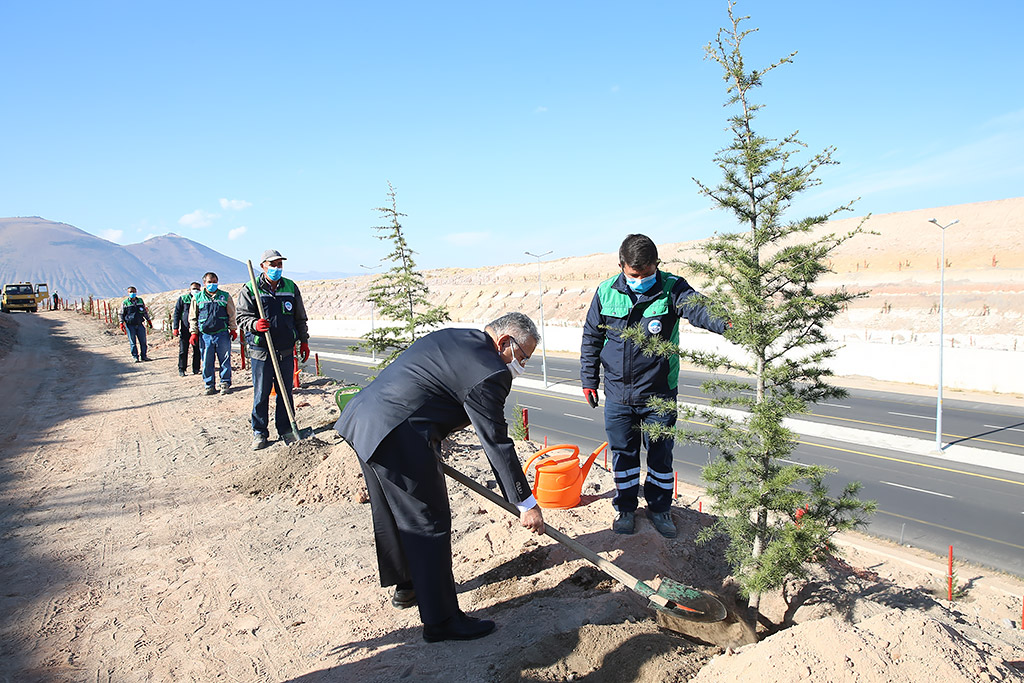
[{"x": 586, "y": 553}]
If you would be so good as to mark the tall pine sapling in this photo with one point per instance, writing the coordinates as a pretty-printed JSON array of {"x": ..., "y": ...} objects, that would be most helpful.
[
  {"x": 763, "y": 281},
  {"x": 400, "y": 293}
]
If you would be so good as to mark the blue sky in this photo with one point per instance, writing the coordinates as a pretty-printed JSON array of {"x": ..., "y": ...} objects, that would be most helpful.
[{"x": 505, "y": 127}]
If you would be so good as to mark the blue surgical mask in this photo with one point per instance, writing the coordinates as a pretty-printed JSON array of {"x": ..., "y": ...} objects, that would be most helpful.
[
  {"x": 211, "y": 287},
  {"x": 131, "y": 295},
  {"x": 274, "y": 273},
  {"x": 642, "y": 284}
]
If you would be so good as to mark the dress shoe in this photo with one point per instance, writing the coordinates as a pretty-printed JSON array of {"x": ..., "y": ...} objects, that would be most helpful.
[
  {"x": 662, "y": 521},
  {"x": 404, "y": 598},
  {"x": 625, "y": 523},
  {"x": 458, "y": 627}
]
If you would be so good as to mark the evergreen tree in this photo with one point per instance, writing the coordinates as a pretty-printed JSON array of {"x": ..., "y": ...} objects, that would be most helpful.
[
  {"x": 776, "y": 516},
  {"x": 400, "y": 293}
]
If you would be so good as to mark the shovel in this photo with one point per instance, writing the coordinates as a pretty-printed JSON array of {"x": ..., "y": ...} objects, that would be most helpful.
[
  {"x": 676, "y": 599},
  {"x": 296, "y": 434}
]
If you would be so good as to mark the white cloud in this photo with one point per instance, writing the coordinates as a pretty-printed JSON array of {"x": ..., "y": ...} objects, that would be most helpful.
[
  {"x": 234, "y": 204},
  {"x": 540, "y": 110},
  {"x": 466, "y": 239},
  {"x": 237, "y": 232},
  {"x": 112, "y": 235},
  {"x": 149, "y": 236},
  {"x": 197, "y": 219}
]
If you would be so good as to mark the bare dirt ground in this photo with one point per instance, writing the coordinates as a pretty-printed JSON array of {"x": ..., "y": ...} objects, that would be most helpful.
[{"x": 141, "y": 540}]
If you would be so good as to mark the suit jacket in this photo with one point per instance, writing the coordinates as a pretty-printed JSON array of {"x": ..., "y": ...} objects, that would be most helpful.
[{"x": 443, "y": 382}]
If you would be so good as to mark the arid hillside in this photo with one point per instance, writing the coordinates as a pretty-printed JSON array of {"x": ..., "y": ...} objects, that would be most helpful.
[{"x": 898, "y": 266}]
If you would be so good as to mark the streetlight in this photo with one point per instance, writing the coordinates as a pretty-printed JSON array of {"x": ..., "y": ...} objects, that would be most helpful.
[
  {"x": 373, "y": 349},
  {"x": 942, "y": 295},
  {"x": 543, "y": 344}
]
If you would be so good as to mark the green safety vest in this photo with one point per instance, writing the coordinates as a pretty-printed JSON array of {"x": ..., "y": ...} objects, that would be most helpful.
[
  {"x": 213, "y": 311},
  {"x": 618, "y": 306}
]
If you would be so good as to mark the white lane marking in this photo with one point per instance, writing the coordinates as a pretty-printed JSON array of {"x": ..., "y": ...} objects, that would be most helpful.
[
  {"x": 523, "y": 405},
  {"x": 911, "y": 488},
  {"x": 790, "y": 462},
  {"x": 920, "y": 417},
  {"x": 692, "y": 386},
  {"x": 579, "y": 417},
  {"x": 1009, "y": 429},
  {"x": 834, "y": 405}
]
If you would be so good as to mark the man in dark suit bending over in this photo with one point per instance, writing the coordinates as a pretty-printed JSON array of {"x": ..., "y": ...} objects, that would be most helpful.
[{"x": 445, "y": 381}]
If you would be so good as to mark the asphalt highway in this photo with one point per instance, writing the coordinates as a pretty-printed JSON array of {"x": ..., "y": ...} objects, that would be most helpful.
[{"x": 925, "y": 502}]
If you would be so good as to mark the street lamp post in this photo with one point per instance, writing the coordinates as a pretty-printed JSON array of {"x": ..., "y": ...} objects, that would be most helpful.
[
  {"x": 373, "y": 349},
  {"x": 540, "y": 292},
  {"x": 942, "y": 296}
]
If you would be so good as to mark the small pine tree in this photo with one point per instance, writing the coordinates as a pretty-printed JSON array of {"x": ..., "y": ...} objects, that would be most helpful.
[
  {"x": 399, "y": 293},
  {"x": 762, "y": 280}
]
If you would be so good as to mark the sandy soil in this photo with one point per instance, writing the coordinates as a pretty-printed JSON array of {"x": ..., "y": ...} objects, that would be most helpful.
[{"x": 141, "y": 540}]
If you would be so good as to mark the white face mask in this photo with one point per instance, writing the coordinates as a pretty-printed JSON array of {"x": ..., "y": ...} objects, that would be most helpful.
[{"x": 515, "y": 367}]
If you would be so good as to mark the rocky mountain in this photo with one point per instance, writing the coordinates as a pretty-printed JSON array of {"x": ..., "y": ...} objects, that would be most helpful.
[
  {"x": 179, "y": 260},
  {"x": 76, "y": 264}
]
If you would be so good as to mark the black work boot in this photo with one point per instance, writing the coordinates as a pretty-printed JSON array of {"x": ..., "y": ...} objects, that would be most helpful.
[{"x": 625, "y": 523}]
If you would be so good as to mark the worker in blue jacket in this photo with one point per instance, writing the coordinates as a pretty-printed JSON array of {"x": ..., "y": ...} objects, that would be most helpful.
[{"x": 656, "y": 300}]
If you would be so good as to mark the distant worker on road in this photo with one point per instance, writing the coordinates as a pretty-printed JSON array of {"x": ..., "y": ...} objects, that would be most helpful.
[
  {"x": 212, "y": 323},
  {"x": 643, "y": 295},
  {"x": 55, "y": 300},
  {"x": 180, "y": 328},
  {"x": 286, "y": 324},
  {"x": 134, "y": 318}
]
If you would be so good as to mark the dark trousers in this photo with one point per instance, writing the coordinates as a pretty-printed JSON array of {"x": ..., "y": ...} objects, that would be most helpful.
[
  {"x": 183, "y": 347},
  {"x": 622, "y": 426},
  {"x": 262, "y": 380},
  {"x": 412, "y": 521},
  {"x": 137, "y": 336}
]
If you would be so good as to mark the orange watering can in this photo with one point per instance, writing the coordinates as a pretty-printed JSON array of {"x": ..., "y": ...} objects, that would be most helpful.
[{"x": 558, "y": 481}]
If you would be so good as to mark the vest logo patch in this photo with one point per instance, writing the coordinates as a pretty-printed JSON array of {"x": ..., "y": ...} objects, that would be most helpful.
[
  {"x": 654, "y": 327},
  {"x": 288, "y": 306}
]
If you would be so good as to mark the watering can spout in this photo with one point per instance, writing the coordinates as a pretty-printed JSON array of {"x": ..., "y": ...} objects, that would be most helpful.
[{"x": 590, "y": 461}]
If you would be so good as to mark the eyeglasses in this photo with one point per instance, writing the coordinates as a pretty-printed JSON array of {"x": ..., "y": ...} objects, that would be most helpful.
[{"x": 525, "y": 359}]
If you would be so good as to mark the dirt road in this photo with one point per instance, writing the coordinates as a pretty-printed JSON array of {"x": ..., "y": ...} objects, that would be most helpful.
[
  {"x": 133, "y": 548},
  {"x": 124, "y": 551}
]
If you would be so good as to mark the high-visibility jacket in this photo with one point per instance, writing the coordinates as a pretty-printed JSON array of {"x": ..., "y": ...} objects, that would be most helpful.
[
  {"x": 134, "y": 312},
  {"x": 630, "y": 376},
  {"x": 284, "y": 310}
]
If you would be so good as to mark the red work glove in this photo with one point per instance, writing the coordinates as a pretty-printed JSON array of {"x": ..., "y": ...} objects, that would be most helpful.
[
  {"x": 194, "y": 339},
  {"x": 304, "y": 351},
  {"x": 591, "y": 395},
  {"x": 262, "y": 325},
  {"x": 174, "y": 332},
  {"x": 234, "y": 335},
  {"x": 123, "y": 330}
]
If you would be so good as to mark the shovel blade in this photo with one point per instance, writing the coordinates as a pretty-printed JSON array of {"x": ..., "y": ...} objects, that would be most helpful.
[
  {"x": 688, "y": 603},
  {"x": 297, "y": 435}
]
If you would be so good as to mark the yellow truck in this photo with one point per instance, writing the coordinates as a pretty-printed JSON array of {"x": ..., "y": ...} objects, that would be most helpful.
[
  {"x": 42, "y": 294},
  {"x": 18, "y": 296}
]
